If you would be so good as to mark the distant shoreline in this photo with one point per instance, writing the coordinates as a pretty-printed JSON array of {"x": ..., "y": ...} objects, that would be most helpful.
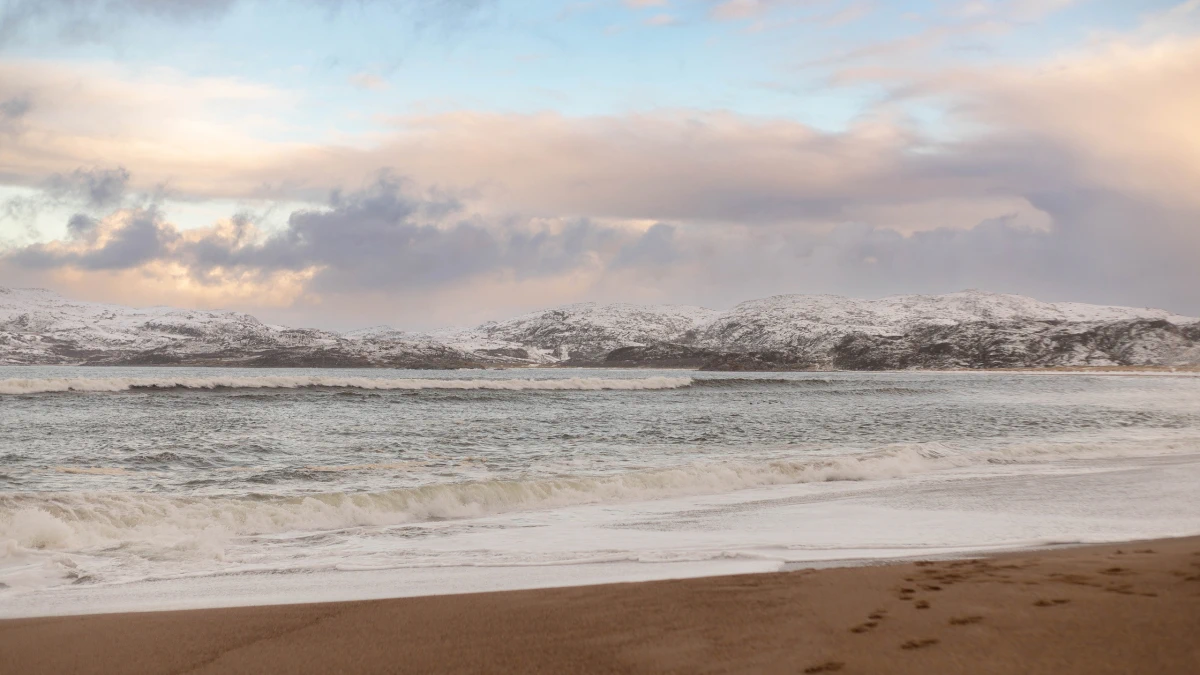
[
  {"x": 1115, "y": 370},
  {"x": 1114, "y": 608}
]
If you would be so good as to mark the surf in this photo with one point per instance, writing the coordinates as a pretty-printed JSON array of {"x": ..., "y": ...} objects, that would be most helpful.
[{"x": 26, "y": 386}]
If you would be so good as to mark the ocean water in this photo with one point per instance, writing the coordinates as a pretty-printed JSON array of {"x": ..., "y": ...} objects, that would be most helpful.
[{"x": 141, "y": 488}]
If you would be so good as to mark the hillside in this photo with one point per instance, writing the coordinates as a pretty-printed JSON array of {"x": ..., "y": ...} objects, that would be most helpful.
[
  {"x": 970, "y": 329},
  {"x": 41, "y": 327}
]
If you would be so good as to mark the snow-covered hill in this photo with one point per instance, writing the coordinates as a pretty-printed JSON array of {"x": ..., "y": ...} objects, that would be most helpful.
[
  {"x": 784, "y": 322},
  {"x": 968, "y": 329},
  {"x": 580, "y": 332},
  {"x": 39, "y": 326}
]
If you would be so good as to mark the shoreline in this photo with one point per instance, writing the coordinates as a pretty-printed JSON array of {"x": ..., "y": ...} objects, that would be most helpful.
[
  {"x": 1185, "y": 369},
  {"x": 1112, "y": 608},
  {"x": 228, "y": 591}
]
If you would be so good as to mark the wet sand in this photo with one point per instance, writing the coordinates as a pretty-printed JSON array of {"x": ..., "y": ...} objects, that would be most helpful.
[{"x": 1131, "y": 608}]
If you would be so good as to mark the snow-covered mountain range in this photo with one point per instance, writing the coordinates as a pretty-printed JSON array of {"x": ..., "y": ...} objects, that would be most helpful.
[
  {"x": 41, "y": 327},
  {"x": 968, "y": 329}
]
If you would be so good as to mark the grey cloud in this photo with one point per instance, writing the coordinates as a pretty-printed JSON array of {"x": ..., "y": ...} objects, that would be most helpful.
[
  {"x": 82, "y": 227},
  {"x": 1101, "y": 247},
  {"x": 95, "y": 187},
  {"x": 382, "y": 238},
  {"x": 15, "y": 107},
  {"x": 654, "y": 249},
  {"x": 22, "y": 211},
  {"x": 379, "y": 239},
  {"x": 143, "y": 237},
  {"x": 12, "y": 111}
]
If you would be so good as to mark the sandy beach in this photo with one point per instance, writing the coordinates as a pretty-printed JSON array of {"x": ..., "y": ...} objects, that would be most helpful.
[{"x": 1131, "y": 608}]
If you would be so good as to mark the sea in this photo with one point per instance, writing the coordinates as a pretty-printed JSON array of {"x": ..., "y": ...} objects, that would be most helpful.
[{"x": 162, "y": 488}]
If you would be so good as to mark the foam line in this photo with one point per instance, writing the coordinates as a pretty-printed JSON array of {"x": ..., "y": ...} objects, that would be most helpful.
[
  {"x": 78, "y": 521},
  {"x": 116, "y": 384}
]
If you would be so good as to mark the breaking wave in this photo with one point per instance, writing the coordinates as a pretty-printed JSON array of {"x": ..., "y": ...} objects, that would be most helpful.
[
  {"x": 729, "y": 382},
  {"x": 117, "y": 384},
  {"x": 165, "y": 525}
]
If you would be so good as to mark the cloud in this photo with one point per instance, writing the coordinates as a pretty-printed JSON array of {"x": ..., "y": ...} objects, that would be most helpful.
[
  {"x": 410, "y": 249},
  {"x": 80, "y": 20},
  {"x": 1119, "y": 118},
  {"x": 96, "y": 188},
  {"x": 125, "y": 240},
  {"x": 368, "y": 81},
  {"x": 739, "y": 9},
  {"x": 83, "y": 227},
  {"x": 733, "y": 10},
  {"x": 197, "y": 135},
  {"x": 163, "y": 126},
  {"x": 848, "y": 14},
  {"x": 84, "y": 21},
  {"x": 12, "y": 110},
  {"x": 662, "y": 20},
  {"x": 387, "y": 236},
  {"x": 1033, "y": 10},
  {"x": 93, "y": 189},
  {"x": 15, "y": 108},
  {"x": 1116, "y": 118},
  {"x": 654, "y": 250},
  {"x": 1018, "y": 10},
  {"x": 1069, "y": 179},
  {"x": 665, "y": 166}
]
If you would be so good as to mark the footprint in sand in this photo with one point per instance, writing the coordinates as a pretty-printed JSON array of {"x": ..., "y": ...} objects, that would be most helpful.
[
  {"x": 1113, "y": 571},
  {"x": 919, "y": 644},
  {"x": 922, "y": 604},
  {"x": 877, "y": 614},
  {"x": 827, "y": 667},
  {"x": 1051, "y": 603},
  {"x": 965, "y": 620},
  {"x": 949, "y": 578},
  {"x": 1076, "y": 579},
  {"x": 864, "y": 627}
]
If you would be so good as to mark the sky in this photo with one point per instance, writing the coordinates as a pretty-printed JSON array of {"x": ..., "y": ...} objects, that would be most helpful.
[{"x": 427, "y": 163}]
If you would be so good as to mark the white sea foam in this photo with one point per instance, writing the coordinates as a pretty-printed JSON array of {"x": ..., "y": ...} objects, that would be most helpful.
[
  {"x": 115, "y": 384},
  {"x": 80, "y": 521}
]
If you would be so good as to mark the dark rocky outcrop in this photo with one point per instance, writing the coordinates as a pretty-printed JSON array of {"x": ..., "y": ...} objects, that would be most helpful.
[
  {"x": 768, "y": 361},
  {"x": 976, "y": 345},
  {"x": 661, "y": 355},
  {"x": 1025, "y": 345}
]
